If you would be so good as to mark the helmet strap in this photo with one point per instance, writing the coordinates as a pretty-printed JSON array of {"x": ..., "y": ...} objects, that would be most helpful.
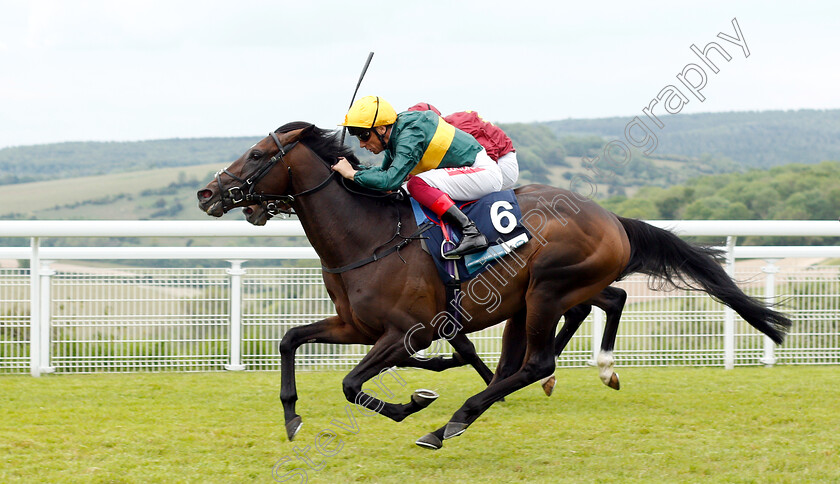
[
  {"x": 375, "y": 114},
  {"x": 381, "y": 136}
]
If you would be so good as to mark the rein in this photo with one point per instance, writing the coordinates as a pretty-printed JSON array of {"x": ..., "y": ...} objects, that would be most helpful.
[{"x": 245, "y": 192}]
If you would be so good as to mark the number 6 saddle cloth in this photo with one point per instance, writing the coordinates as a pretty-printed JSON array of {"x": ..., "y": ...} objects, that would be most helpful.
[{"x": 496, "y": 215}]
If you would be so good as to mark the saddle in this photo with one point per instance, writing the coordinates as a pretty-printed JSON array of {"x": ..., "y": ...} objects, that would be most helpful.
[{"x": 496, "y": 215}]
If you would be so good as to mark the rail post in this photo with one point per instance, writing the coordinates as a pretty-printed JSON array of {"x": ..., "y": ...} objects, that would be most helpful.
[
  {"x": 34, "y": 307},
  {"x": 729, "y": 313},
  {"x": 597, "y": 332},
  {"x": 45, "y": 317},
  {"x": 769, "y": 358},
  {"x": 236, "y": 272}
]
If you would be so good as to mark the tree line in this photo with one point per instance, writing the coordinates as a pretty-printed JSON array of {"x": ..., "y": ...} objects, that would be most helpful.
[
  {"x": 790, "y": 192},
  {"x": 751, "y": 139},
  {"x": 759, "y": 139}
]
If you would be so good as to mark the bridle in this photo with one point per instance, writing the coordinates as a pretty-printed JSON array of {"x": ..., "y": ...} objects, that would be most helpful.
[{"x": 245, "y": 191}]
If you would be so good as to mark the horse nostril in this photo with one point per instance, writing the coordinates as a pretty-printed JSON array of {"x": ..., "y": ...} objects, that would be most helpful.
[
  {"x": 248, "y": 210},
  {"x": 205, "y": 194}
]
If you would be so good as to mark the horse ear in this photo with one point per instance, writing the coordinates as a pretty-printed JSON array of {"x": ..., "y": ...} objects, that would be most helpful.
[{"x": 298, "y": 134}]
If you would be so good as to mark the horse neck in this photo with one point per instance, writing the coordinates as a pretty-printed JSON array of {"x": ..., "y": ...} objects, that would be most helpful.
[{"x": 341, "y": 227}]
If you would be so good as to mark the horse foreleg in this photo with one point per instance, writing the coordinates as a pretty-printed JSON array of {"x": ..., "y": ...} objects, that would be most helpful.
[
  {"x": 465, "y": 354},
  {"x": 330, "y": 330},
  {"x": 390, "y": 349},
  {"x": 436, "y": 364},
  {"x": 611, "y": 300},
  {"x": 513, "y": 348},
  {"x": 573, "y": 319},
  {"x": 466, "y": 350}
]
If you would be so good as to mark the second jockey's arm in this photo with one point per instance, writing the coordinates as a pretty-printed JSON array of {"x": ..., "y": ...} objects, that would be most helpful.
[{"x": 344, "y": 168}]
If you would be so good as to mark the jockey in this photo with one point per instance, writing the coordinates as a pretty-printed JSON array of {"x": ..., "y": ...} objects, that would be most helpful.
[
  {"x": 498, "y": 144},
  {"x": 445, "y": 162}
]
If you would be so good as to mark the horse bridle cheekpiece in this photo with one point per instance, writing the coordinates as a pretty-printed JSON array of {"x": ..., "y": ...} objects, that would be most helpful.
[{"x": 245, "y": 191}]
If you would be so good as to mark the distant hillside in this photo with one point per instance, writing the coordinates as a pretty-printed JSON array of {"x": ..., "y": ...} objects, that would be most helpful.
[
  {"x": 760, "y": 139},
  {"x": 791, "y": 192},
  {"x": 540, "y": 151},
  {"x": 689, "y": 146},
  {"x": 165, "y": 193},
  {"x": 539, "y": 147},
  {"x": 23, "y": 164},
  {"x": 162, "y": 194}
]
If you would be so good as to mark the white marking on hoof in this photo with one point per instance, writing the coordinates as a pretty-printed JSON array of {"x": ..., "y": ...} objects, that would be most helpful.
[{"x": 606, "y": 362}]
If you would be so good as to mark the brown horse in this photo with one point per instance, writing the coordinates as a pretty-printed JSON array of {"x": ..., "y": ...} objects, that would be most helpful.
[
  {"x": 611, "y": 300},
  {"x": 396, "y": 304}
]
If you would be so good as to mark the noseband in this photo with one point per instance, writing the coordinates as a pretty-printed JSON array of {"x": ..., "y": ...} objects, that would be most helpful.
[{"x": 245, "y": 191}]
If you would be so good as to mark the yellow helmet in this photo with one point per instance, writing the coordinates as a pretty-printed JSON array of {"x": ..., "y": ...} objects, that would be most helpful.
[{"x": 369, "y": 112}]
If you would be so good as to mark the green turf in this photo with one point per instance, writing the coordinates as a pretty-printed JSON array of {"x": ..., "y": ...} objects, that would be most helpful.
[{"x": 664, "y": 425}]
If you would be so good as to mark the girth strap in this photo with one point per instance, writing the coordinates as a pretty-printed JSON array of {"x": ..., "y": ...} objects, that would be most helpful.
[
  {"x": 453, "y": 303},
  {"x": 375, "y": 257}
]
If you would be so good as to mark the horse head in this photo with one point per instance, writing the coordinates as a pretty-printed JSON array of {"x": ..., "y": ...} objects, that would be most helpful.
[
  {"x": 260, "y": 213},
  {"x": 256, "y": 214},
  {"x": 262, "y": 173}
]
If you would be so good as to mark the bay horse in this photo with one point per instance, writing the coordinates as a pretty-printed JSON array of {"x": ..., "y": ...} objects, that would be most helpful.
[
  {"x": 611, "y": 300},
  {"x": 396, "y": 304}
]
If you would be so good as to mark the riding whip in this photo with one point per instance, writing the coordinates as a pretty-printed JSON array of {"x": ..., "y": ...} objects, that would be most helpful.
[{"x": 362, "y": 76}]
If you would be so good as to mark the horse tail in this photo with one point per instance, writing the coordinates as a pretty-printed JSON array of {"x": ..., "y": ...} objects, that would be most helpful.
[{"x": 661, "y": 254}]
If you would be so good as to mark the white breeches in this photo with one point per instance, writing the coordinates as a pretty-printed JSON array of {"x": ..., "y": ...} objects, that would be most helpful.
[
  {"x": 509, "y": 166},
  {"x": 468, "y": 182}
]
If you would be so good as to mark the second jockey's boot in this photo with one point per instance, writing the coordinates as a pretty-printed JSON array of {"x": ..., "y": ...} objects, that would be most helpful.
[{"x": 472, "y": 240}]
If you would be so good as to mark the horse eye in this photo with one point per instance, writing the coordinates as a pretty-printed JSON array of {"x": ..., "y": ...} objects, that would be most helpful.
[{"x": 255, "y": 155}]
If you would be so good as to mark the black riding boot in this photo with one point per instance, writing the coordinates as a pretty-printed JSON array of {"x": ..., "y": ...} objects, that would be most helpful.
[{"x": 472, "y": 240}]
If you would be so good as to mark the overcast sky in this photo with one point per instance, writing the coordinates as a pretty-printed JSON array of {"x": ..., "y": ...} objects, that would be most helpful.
[{"x": 131, "y": 70}]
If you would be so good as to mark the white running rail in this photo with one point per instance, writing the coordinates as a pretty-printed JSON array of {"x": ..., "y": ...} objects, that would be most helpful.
[{"x": 210, "y": 319}]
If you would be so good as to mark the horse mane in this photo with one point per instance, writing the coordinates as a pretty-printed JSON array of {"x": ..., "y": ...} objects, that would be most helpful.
[{"x": 326, "y": 143}]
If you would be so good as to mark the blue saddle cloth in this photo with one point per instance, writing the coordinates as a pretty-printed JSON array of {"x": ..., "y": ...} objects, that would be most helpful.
[{"x": 496, "y": 215}]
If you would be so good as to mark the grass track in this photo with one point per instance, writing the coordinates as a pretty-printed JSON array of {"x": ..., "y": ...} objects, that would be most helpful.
[{"x": 665, "y": 425}]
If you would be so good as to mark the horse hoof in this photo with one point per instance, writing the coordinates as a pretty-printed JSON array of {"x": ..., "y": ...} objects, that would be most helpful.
[
  {"x": 614, "y": 384},
  {"x": 293, "y": 427},
  {"x": 429, "y": 441},
  {"x": 548, "y": 385},
  {"x": 423, "y": 397},
  {"x": 454, "y": 429}
]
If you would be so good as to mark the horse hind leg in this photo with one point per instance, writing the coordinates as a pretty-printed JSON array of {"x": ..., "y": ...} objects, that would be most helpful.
[
  {"x": 606, "y": 371},
  {"x": 544, "y": 310},
  {"x": 612, "y": 301},
  {"x": 510, "y": 360}
]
